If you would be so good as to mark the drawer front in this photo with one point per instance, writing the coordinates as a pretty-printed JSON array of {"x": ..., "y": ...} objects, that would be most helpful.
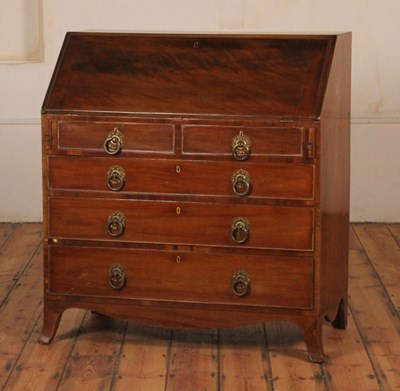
[
  {"x": 191, "y": 223},
  {"x": 136, "y": 137},
  {"x": 263, "y": 141},
  {"x": 180, "y": 276},
  {"x": 272, "y": 180}
]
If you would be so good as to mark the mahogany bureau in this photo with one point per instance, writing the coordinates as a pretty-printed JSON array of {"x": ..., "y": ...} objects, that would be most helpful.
[{"x": 198, "y": 180}]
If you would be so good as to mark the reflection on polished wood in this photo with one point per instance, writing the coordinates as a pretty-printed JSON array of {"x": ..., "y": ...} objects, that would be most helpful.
[{"x": 179, "y": 115}]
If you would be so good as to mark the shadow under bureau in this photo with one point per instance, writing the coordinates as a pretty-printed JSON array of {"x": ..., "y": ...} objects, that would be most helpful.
[{"x": 198, "y": 180}]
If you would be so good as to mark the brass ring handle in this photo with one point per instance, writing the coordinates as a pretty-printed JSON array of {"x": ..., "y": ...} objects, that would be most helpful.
[
  {"x": 116, "y": 224},
  {"x": 241, "y": 147},
  {"x": 116, "y": 178},
  {"x": 117, "y": 277},
  {"x": 240, "y": 284},
  {"x": 240, "y": 230},
  {"x": 114, "y": 142},
  {"x": 241, "y": 184}
]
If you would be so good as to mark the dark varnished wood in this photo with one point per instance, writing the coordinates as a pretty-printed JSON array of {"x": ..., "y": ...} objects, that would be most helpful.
[
  {"x": 179, "y": 100},
  {"x": 51, "y": 321},
  {"x": 138, "y": 137},
  {"x": 180, "y": 276},
  {"x": 194, "y": 223},
  {"x": 231, "y": 75},
  {"x": 215, "y": 139},
  {"x": 334, "y": 154},
  {"x": 204, "y": 178}
]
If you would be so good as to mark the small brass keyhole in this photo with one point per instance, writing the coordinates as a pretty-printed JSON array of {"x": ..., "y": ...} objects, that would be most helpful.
[{"x": 178, "y": 210}]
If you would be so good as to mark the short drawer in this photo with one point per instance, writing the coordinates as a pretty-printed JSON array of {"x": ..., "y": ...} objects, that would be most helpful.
[
  {"x": 181, "y": 276},
  {"x": 266, "y": 180},
  {"x": 261, "y": 141},
  {"x": 135, "y": 137},
  {"x": 188, "y": 223}
]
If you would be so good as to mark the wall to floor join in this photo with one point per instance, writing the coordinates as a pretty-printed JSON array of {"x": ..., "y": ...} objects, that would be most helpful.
[{"x": 375, "y": 180}]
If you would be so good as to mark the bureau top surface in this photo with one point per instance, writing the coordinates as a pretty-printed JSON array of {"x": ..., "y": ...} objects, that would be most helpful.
[{"x": 173, "y": 74}]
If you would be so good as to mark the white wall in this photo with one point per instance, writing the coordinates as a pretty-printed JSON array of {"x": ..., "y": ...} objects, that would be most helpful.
[
  {"x": 16, "y": 43},
  {"x": 375, "y": 85}
]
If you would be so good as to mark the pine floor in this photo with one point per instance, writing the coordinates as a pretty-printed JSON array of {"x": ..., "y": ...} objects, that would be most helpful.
[{"x": 92, "y": 352}]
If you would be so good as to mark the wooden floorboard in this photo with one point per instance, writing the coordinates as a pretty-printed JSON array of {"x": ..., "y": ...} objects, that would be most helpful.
[
  {"x": 144, "y": 359},
  {"x": 93, "y": 352},
  {"x": 290, "y": 367},
  {"x": 244, "y": 360}
]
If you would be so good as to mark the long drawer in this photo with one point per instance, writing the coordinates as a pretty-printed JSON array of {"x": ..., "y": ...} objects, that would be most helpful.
[
  {"x": 181, "y": 276},
  {"x": 191, "y": 223},
  {"x": 265, "y": 180}
]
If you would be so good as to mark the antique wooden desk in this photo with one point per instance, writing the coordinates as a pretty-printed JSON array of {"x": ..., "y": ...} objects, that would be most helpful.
[{"x": 198, "y": 180}]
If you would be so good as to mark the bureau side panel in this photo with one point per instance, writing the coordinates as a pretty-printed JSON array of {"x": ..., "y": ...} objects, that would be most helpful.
[
  {"x": 335, "y": 179},
  {"x": 47, "y": 140}
]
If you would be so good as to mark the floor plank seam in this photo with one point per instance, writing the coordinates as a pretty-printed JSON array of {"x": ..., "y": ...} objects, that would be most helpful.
[
  {"x": 325, "y": 376},
  {"x": 376, "y": 273},
  {"x": 219, "y": 365},
  {"x": 270, "y": 380},
  {"x": 118, "y": 359},
  {"x": 67, "y": 361},
  {"x": 397, "y": 240},
  {"x": 168, "y": 359},
  {"x": 13, "y": 228},
  {"x": 20, "y": 274},
  {"x": 28, "y": 337},
  {"x": 365, "y": 344}
]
